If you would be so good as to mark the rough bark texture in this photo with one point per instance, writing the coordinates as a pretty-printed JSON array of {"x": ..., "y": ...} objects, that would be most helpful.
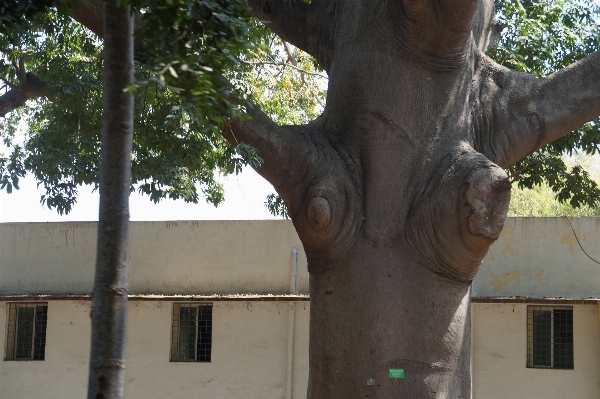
[
  {"x": 109, "y": 298},
  {"x": 398, "y": 189}
]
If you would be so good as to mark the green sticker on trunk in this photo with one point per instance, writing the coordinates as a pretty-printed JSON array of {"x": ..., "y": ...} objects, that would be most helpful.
[{"x": 396, "y": 373}]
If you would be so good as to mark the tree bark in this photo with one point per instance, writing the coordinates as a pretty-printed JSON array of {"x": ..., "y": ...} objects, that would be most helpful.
[
  {"x": 398, "y": 189},
  {"x": 109, "y": 298}
]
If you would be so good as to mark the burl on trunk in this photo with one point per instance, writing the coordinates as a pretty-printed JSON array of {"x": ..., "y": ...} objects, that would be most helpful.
[{"x": 398, "y": 189}]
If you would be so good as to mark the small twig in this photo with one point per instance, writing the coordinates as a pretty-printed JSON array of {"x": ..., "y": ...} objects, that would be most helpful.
[
  {"x": 290, "y": 55},
  {"x": 180, "y": 37},
  {"x": 284, "y": 65},
  {"x": 316, "y": 96},
  {"x": 518, "y": 175},
  {"x": 291, "y": 58}
]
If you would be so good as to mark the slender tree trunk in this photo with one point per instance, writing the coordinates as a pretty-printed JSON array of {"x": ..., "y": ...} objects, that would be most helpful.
[{"x": 109, "y": 299}]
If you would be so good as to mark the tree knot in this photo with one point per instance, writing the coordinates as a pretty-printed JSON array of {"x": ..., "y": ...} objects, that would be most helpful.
[
  {"x": 487, "y": 197},
  {"x": 318, "y": 213}
]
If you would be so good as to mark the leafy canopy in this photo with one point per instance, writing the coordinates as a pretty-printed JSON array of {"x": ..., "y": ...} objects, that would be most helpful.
[
  {"x": 184, "y": 50},
  {"x": 180, "y": 98}
]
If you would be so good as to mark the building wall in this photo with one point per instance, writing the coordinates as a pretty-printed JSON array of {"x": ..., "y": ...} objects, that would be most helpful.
[
  {"x": 500, "y": 356},
  {"x": 250, "y": 347},
  {"x": 63, "y": 373},
  {"x": 535, "y": 257},
  {"x": 249, "y": 355},
  {"x": 189, "y": 257},
  {"x": 540, "y": 257}
]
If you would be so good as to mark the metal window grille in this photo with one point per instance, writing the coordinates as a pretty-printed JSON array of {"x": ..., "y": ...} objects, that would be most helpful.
[
  {"x": 191, "y": 334},
  {"x": 550, "y": 337},
  {"x": 26, "y": 332}
]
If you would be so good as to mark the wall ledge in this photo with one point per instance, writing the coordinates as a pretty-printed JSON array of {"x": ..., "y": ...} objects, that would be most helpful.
[
  {"x": 153, "y": 297},
  {"x": 546, "y": 300}
]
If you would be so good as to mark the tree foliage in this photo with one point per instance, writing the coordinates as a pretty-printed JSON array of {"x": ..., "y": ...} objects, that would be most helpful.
[
  {"x": 180, "y": 99},
  {"x": 184, "y": 51}
]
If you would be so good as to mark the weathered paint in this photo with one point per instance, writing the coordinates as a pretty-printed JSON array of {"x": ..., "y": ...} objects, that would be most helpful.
[
  {"x": 499, "y": 282},
  {"x": 190, "y": 257},
  {"x": 166, "y": 257},
  {"x": 507, "y": 238},
  {"x": 571, "y": 240},
  {"x": 547, "y": 257},
  {"x": 500, "y": 355}
]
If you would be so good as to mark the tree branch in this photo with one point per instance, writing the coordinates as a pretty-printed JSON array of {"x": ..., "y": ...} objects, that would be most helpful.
[
  {"x": 20, "y": 70},
  {"x": 32, "y": 87},
  {"x": 288, "y": 51},
  {"x": 526, "y": 113},
  {"x": 284, "y": 64},
  {"x": 276, "y": 145},
  {"x": 307, "y": 26}
]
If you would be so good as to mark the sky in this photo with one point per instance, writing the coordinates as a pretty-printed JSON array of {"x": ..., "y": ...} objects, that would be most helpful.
[{"x": 245, "y": 195}]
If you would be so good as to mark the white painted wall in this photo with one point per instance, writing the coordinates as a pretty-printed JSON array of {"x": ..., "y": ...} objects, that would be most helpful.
[
  {"x": 500, "y": 355},
  {"x": 249, "y": 357}
]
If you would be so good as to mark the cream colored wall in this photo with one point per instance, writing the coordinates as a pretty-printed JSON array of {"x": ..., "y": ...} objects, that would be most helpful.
[
  {"x": 536, "y": 257},
  {"x": 249, "y": 354},
  {"x": 249, "y": 358},
  {"x": 189, "y": 257},
  {"x": 63, "y": 374},
  {"x": 540, "y": 257},
  {"x": 500, "y": 350}
]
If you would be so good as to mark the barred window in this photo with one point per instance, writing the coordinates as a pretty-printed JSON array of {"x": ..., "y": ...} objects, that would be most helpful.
[
  {"x": 191, "y": 335},
  {"x": 26, "y": 333},
  {"x": 550, "y": 337}
]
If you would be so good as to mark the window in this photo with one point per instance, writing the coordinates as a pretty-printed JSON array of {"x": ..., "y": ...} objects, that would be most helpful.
[
  {"x": 550, "y": 337},
  {"x": 26, "y": 334},
  {"x": 191, "y": 336}
]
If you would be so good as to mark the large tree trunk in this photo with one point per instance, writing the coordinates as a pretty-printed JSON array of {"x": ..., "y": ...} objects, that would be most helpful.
[
  {"x": 385, "y": 311},
  {"x": 398, "y": 189},
  {"x": 109, "y": 298}
]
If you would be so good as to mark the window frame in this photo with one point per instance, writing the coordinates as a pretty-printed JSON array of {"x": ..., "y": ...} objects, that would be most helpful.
[
  {"x": 202, "y": 339},
  {"x": 552, "y": 338},
  {"x": 37, "y": 341}
]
